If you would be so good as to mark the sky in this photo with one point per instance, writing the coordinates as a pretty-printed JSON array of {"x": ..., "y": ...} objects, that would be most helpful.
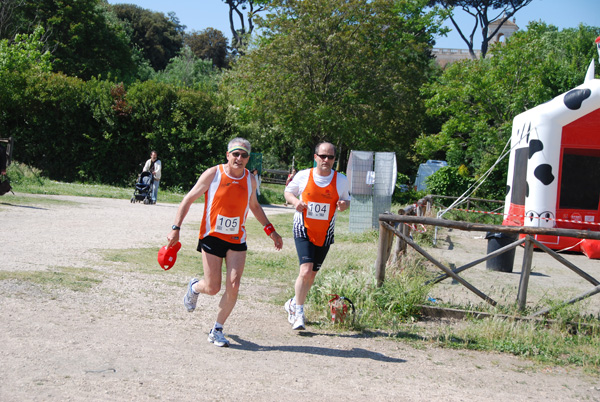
[{"x": 201, "y": 14}]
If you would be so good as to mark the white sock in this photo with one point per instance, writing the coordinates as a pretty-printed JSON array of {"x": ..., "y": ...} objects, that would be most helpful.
[
  {"x": 299, "y": 309},
  {"x": 218, "y": 327}
]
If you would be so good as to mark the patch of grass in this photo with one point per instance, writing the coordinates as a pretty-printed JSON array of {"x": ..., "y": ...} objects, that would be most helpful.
[
  {"x": 385, "y": 307},
  {"x": 262, "y": 260},
  {"x": 543, "y": 343},
  {"x": 26, "y": 200},
  {"x": 279, "y": 268},
  {"x": 271, "y": 193},
  {"x": 25, "y": 179},
  {"x": 144, "y": 260},
  {"x": 75, "y": 279}
]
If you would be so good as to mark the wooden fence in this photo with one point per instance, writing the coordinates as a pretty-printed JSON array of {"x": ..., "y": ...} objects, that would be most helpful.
[
  {"x": 275, "y": 176},
  {"x": 391, "y": 225},
  {"x": 9, "y": 144}
]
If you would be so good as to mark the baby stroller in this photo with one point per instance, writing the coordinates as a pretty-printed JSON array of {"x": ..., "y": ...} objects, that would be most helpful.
[{"x": 143, "y": 188}]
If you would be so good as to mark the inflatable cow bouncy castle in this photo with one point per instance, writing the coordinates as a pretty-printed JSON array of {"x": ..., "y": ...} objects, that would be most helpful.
[{"x": 554, "y": 167}]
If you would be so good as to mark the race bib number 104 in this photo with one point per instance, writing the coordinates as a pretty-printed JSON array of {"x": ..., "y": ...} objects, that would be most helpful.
[
  {"x": 318, "y": 211},
  {"x": 227, "y": 225}
]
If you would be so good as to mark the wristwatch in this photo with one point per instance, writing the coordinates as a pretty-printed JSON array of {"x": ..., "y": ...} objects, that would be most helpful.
[{"x": 175, "y": 227}]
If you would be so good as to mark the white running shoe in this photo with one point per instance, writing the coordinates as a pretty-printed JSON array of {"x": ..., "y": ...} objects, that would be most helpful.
[
  {"x": 290, "y": 308},
  {"x": 191, "y": 298},
  {"x": 216, "y": 336},
  {"x": 298, "y": 322}
]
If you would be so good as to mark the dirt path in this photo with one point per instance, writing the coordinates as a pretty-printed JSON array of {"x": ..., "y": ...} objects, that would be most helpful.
[{"x": 129, "y": 338}]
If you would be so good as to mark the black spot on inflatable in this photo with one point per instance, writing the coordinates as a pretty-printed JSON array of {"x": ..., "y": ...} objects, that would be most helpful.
[
  {"x": 573, "y": 99},
  {"x": 544, "y": 174},
  {"x": 531, "y": 215},
  {"x": 535, "y": 146},
  {"x": 526, "y": 189},
  {"x": 546, "y": 216},
  {"x": 507, "y": 190}
]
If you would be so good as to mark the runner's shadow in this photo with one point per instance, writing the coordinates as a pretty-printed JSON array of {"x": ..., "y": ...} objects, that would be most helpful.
[
  {"x": 22, "y": 206},
  {"x": 532, "y": 274},
  {"x": 354, "y": 353}
]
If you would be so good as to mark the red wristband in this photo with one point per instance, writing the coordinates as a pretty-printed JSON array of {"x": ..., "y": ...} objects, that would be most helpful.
[{"x": 269, "y": 229}]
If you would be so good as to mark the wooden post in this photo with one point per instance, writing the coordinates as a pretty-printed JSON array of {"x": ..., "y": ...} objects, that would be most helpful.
[
  {"x": 405, "y": 232},
  {"x": 525, "y": 273},
  {"x": 399, "y": 246},
  {"x": 383, "y": 253}
]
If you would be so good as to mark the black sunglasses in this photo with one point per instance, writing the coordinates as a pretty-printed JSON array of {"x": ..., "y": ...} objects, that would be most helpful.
[
  {"x": 332, "y": 157},
  {"x": 238, "y": 154}
]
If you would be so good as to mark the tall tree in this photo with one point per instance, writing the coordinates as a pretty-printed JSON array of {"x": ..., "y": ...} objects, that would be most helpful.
[
  {"x": 160, "y": 37},
  {"x": 81, "y": 36},
  {"x": 348, "y": 71},
  {"x": 209, "y": 44},
  {"x": 241, "y": 21},
  {"x": 500, "y": 10},
  {"x": 9, "y": 23}
]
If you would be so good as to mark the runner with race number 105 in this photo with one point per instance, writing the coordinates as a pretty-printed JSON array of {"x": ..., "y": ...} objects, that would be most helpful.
[{"x": 229, "y": 191}]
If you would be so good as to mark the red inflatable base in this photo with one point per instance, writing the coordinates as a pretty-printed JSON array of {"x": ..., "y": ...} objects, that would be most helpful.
[{"x": 589, "y": 247}]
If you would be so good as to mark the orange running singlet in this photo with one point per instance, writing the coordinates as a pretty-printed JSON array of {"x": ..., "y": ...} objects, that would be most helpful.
[
  {"x": 321, "y": 202},
  {"x": 226, "y": 204}
]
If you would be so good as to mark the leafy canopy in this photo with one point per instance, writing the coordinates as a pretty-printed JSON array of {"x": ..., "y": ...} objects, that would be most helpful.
[
  {"x": 209, "y": 44},
  {"x": 346, "y": 71},
  {"x": 81, "y": 35},
  {"x": 25, "y": 53},
  {"x": 475, "y": 101},
  {"x": 159, "y": 37}
]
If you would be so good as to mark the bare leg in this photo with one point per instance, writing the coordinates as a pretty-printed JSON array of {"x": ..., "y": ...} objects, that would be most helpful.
[
  {"x": 304, "y": 282},
  {"x": 235, "y": 261},
  {"x": 211, "y": 283}
]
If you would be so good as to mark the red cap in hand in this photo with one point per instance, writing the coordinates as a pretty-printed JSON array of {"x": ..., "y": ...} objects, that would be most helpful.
[{"x": 168, "y": 256}]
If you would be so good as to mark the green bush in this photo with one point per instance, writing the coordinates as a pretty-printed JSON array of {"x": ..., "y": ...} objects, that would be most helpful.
[
  {"x": 101, "y": 132},
  {"x": 448, "y": 181}
]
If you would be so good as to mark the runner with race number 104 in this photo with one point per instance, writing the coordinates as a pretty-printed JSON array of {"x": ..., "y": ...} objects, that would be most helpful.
[{"x": 317, "y": 195}]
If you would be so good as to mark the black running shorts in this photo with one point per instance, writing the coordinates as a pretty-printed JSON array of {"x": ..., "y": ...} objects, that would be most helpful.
[
  {"x": 215, "y": 246},
  {"x": 308, "y": 252}
]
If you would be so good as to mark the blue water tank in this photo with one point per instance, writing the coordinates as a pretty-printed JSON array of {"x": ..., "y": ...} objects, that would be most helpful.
[{"x": 426, "y": 170}]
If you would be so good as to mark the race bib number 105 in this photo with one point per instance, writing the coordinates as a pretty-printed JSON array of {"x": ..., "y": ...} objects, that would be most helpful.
[
  {"x": 318, "y": 211},
  {"x": 227, "y": 225}
]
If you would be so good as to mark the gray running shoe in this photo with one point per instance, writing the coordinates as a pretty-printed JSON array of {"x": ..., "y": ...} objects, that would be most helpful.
[
  {"x": 191, "y": 298},
  {"x": 298, "y": 322},
  {"x": 290, "y": 308},
  {"x": 216, "y": 336}
]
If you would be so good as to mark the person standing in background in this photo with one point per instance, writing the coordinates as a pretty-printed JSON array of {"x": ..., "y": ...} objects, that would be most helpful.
[{"x": 154, "y": 166}]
